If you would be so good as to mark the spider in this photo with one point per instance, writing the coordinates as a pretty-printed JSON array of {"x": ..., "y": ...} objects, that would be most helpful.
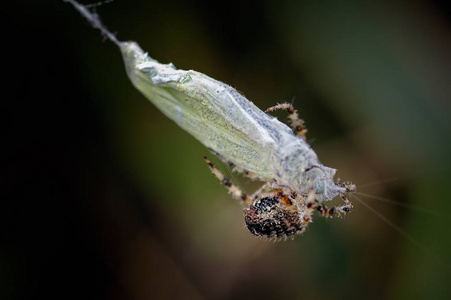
[{"x": 277, "y": 211}]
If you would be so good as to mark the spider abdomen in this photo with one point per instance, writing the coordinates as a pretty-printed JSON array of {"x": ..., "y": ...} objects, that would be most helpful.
[{"x": 269, "y": 218}]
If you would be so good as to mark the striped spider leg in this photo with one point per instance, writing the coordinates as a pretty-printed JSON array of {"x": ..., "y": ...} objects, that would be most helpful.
[
  {"x": 299, "y": 129},
  {"x": 339, "y": 210},
  {"x": 235, "y": 168},
  {"x": 297, "y": 124}
]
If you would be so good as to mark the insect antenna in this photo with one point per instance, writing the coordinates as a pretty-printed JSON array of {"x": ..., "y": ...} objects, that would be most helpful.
[
  {"x": 378, "y": 182},
  {"x": 411, "y": 176},
  {"x": 408, "y": 237},
  {"x": 394, "y": 202}
]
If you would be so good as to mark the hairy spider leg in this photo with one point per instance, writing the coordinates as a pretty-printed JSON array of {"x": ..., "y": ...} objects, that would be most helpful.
[
  {"x": 296, "y": 123},
  {"x": 258, "y": 193},
  {"x": 344, "y": 209},
  {"x": 336, "y": 210},
  {"x": 309, "y": 205},
  {"x": 236, "y": 192},
  {"x": 235, "y": 168}
]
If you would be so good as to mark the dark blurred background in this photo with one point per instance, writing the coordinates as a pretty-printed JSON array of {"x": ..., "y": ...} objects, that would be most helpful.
[{"x": 105, "y": 198}]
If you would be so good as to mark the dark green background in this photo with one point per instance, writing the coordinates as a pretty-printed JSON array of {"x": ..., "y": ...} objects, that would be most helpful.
[{"x": 105, "y": 198}]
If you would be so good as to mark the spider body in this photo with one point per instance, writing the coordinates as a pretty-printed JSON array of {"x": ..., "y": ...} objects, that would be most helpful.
[{"x": 269, "y": 217}]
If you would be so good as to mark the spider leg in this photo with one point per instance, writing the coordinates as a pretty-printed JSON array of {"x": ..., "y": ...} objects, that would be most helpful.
[
  {"x": 235, "y": 168},
  {"x": 258, "y": 193},
  {"x": 309, "y": 205},
  {"x": 236, "y": 192},
  {"x": 296, "y": 123},
  {"x": 245, "y": 173},
  {"x": 337, "y": 210}
]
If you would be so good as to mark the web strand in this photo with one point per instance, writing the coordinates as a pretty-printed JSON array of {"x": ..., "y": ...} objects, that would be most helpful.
[{"x": 94, "y": 19}]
